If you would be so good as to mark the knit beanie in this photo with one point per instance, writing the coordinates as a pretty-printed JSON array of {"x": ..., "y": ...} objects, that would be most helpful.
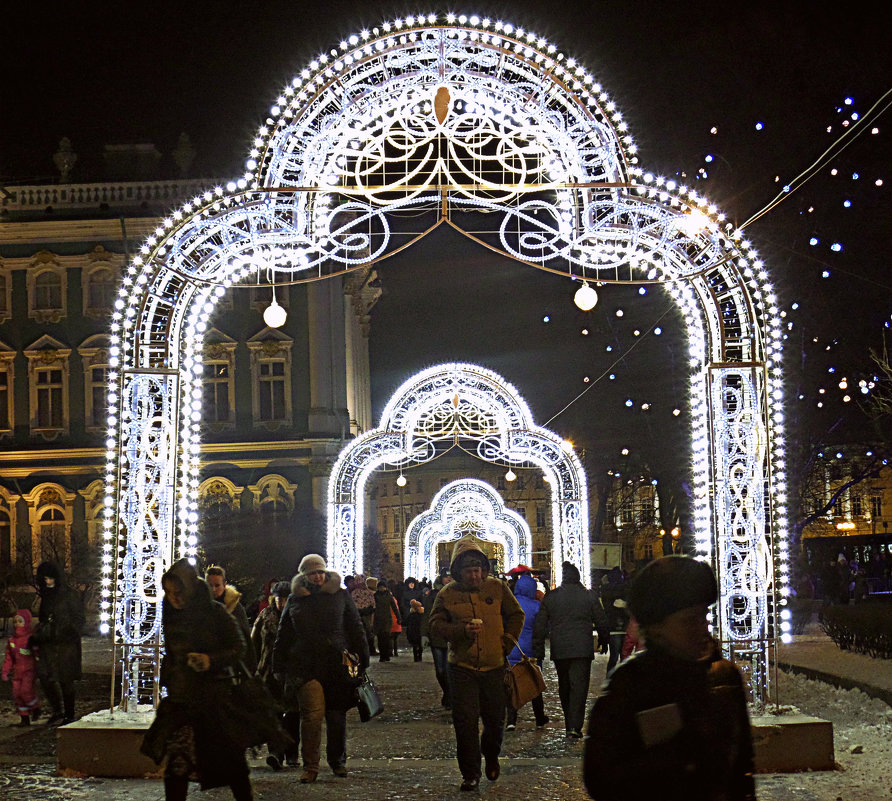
[
  {"x": 569, "y": 572},
  {"x": 669, "y": 584},
  {"x": 372, "y": 583},
  {"x": 311, "y": 563}
]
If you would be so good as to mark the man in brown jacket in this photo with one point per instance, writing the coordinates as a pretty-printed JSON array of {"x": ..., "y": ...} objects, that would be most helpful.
[{"x": 481, "y": 619}]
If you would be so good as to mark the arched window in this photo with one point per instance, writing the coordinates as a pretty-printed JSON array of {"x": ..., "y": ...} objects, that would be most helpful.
[{"x": 52, "y": 533}]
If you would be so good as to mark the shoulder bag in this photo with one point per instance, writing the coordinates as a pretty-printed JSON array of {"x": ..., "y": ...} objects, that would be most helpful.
[
  {"x": 523, "y": 681},
  {"x": 368, "y": 699}
]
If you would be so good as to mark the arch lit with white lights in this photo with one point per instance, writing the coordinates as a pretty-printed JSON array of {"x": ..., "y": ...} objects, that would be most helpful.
[
  {"x": 473, "y": 123},
  {"x": 442, "y": 404},
  {"x": 461, "y": 507}
]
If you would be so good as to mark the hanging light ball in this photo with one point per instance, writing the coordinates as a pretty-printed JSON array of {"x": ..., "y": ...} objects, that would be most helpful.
[
  {"x": 510, "y": 475},
  {"x": 585, "y": 297},
  {"x": 401, "y": 480},
  {"x": 275, "y": 315}
]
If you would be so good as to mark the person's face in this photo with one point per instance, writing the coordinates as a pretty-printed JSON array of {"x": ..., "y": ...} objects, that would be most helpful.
[
  {"x": 49, "y": 582},
  {"x": 684, "y": 632},
  {"x": 174, "y": 594},
  {"x": 317, "y": 577},
  {"x": 217, "y": 585},
  {"x": 280, "y": 602},
  {"x": 472, "y": 576},
  {"x": 18, "y": 621}
]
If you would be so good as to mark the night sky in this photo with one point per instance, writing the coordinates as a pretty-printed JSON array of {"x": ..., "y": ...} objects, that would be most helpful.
[{"x": 734, "y": 99}]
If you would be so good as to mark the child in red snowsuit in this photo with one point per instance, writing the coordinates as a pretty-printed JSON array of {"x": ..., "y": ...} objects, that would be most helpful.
[{"x": 20, "y": 664}]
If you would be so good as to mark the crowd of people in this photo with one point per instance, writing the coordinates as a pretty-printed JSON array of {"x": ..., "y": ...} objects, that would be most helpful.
[{"x": 671, "y": 721}]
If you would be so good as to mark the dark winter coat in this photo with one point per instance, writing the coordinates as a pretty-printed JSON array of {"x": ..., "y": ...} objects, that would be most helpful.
[
  {"x": 567, "y": 616},
  {"x": 263, "y": 638},
  {"x": 60, "y": 625},
  {"x": 317, "y": 625},
  {"x": 525, "y": 592},
  {"x": 200, "y": 699},
  {"x": 385, "y": 609},
  {"x": 613, "y": 590},
  {"x": 414, "y": 592},
  {"x": 705, "y": 755}
]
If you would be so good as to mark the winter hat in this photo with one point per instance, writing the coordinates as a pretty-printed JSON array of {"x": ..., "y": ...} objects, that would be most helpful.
[
  {"x": 569, "y": 572},
  {"x": 310, "y": 564},
  {"x": 669, "y": 584},
  {"x": 372, "y": 583},
  {"x": 281, "y": 589}
]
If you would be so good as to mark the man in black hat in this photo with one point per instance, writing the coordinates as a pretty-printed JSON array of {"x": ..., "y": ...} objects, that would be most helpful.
[
  {"x": 672, "y": 721},
  {"x": 568, "y": 616}
]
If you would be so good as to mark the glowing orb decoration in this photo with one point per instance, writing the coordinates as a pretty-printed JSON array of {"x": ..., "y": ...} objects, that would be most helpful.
[
  {"x": 506, "y": 138},
  {"x": 585, "y": 297}
]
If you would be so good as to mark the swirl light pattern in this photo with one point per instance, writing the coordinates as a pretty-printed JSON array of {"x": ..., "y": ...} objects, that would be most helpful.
[
  {"x": 469, "y": 122},
  {"x": 461, "y": 507},
  {"x": 441, "y": 404}
]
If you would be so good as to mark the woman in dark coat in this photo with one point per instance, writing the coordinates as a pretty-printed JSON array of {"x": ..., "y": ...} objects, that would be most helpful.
[
  {"x": 202, "y": 645},
  {"x": 386, "y": 611},
  {"x": 319, "y": 623},
  {"x": 58, "y": 636}
]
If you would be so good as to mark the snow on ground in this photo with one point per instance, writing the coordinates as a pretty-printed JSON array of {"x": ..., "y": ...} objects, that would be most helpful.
[{"x": 862, "y": 736}]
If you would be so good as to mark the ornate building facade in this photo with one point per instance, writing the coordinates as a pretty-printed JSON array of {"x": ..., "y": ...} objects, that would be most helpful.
[{"x": 278, "y": 403}]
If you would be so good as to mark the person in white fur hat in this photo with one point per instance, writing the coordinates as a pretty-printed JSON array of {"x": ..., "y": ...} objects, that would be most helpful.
[{"x": 318, "y": 624}]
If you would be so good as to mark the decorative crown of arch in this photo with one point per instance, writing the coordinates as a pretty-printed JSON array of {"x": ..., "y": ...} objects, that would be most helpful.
[
  {"x": 461, "y": 506},
  {"x": 446, "y": 403},
  {"x": 463, "y": 121}
]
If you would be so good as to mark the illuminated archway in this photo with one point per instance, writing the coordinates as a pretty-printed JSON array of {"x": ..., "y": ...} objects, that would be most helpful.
[
  {"x": 466, "y": 505},
  {"x": 440, "y": 404},
  {"x": 468, "y": 122}
]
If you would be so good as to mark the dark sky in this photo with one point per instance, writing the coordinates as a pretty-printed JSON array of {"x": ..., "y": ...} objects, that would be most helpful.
[{"x": 770, "y": 77}]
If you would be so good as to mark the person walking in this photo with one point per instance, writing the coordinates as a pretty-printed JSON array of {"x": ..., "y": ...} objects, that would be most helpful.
[
  {"x": 567, "y": 617},
  {"x": 439, "y": 645},
  {"x": 263, "y": 638},
  {"x": 58, "y": 637},
  {"x": 413, "y": 628},
  {"x": 193, "y": 735},
  {"x": 481, "y": 619},
  {"x": 364, "y": 598},
  {"x": 20, "y": 666},
  {"x": 613, "y": 592},
  {"x": 386, "y": 611},
  {"x": 319, "y": 623},
  {"x": 231, "y": 598},
  {"x": 672, "y": 721},
  {"x": 525, "y": 591}
]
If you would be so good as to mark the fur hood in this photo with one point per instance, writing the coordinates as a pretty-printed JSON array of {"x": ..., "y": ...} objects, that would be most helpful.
[
  {"x": 466, "y": 546},
  {"x": 300, "y": 585},
  {"x": 230, "y": 598}
]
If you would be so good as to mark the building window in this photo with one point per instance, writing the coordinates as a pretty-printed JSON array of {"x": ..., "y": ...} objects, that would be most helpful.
[
  {"x": 5, "y": 283},
  {"x": 522, "y": 511},
  {"x": 626, "y": 513},
  {"x": 99, "y": 296},
  {"x": 648, "y": 550},
  {"x": 419, "y": 487},
  {"x": 5, "y": 539},
  {"x": 216, "y": 390},
  {"x": 50, "y": 410},
  {"x": 272, "y": 390},
  {"x": 397, "y": 556},
  {"x": 876, "y": 506},
  {"x": 48, "y": 292},
  {"x": 500, "y": 484},
  {"x": 540, "y": 517},
  {"x": 857, "y": 509},
  {"x": 98, "y": 400},
  {"x": 385, "y": 520},
  {"x": 397, "y": 526},
  {"x": 51, "y": 530},
  {"x": 5, "y": 397}
]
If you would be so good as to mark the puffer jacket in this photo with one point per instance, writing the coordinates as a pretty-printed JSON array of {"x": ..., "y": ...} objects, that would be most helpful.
[
  {"x": 525, "y": 592},
  {"x": 317, "y": 625},
  {"x": 701, "y": 745},
  {"x": 493, "y": 603},
  {"x": 568, "y": 616}
]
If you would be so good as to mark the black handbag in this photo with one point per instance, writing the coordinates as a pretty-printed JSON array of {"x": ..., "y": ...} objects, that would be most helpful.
[
  {"x": 368, "y": 700},
  {"x": 256, "y": 715}
]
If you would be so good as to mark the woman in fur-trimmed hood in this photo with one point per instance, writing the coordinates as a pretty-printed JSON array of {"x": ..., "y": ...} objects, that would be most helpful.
[{"x": 319, "y": 623}]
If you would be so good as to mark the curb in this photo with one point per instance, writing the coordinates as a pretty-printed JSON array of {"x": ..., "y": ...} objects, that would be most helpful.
[{"x": 839, "y": 682}]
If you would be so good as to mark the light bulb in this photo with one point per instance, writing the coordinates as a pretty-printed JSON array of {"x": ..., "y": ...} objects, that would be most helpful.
[
  {"x": 510, "y": 475},
  {"x": 274, "y": 315},
  {"x": 401, "y": 480},
  {"x": 585, "y": 297}
]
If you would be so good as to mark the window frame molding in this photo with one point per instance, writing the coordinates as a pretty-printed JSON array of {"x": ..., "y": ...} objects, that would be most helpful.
[
  {"x": 46, "y": 496},
  {"x": 7, "y": 366},
  {"x": 268, "y": 346},
  {"x": 94, "y": 352},
  {"x": 5, "y": 293},
  {"x": 48, "y": 353},
  {"x": 220, "y": 349},
  {"x": 100, "y": 261},
  {"x": 43, "y": 262}
]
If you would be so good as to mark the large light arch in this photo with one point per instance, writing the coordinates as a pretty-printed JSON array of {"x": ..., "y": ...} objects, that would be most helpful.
[
  {"x": 467, "y": 504},
  {"x": 446, "y": 117},
  {"x": 443, "y": 403}
]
